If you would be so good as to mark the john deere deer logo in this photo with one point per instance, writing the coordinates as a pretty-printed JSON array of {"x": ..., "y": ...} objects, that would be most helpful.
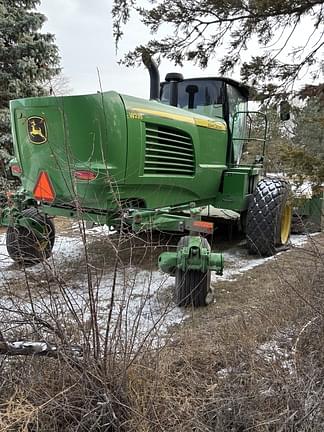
[{"x": 37, "y": 130}]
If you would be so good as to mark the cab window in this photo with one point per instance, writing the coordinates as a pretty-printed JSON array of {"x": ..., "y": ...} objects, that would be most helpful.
[
  {"x": 237, "y": 112},
  {"x": 202, "y": 96}
]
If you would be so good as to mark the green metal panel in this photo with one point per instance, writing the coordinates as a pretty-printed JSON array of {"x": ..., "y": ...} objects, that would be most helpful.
[
  {"x": 194, "y": 256},
  {"x": 83, "y": 132},
  {"x": 235, "y": 183},
  {"x": 161, "y": 155},
  {"x": 313, "y": 209},
  {"x": 209, "y": 144},
  {"x": 238, "y": 184},
  {"x": 317, "y": 211}
]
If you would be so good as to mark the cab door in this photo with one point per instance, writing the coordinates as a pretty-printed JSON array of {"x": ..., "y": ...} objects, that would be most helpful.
[{"x": 237, "y": 121}]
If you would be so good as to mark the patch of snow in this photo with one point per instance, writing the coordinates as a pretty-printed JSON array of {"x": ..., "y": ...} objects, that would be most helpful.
[
  {"x": 223, "y": 373},
  {"x": 5, "y": 260},
  {"x": 301, "y": 239},
  {"x": 280, "y": 175},
  {"x": 35, "y": 346},
  {"x": 300, "y": 189},
  {"x": 67, "y": 247},
  {"x": 237, "y": 259},
  {"x": 305, "y": 189},
  {"x": 141, "y": 297},
  {"x": 273, "y": 353},
  {"x": 93, "y": 230},
  {"x": 143, "y": 300}
]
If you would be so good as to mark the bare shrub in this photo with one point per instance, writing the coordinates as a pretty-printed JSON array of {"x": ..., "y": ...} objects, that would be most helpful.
[
  {"x": 258, "y": 368},
  {"x": 251, "y": 361},
  {"x": 103, "y": 302}
]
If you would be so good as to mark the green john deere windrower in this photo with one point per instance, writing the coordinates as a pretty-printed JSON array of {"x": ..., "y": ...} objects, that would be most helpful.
[{"x": 120, "y": 160}]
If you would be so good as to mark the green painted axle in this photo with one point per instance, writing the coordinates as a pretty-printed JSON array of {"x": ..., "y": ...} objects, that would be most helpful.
[
  {"x": 196, "y": 255},
  {"x": 12, "y": 216}
]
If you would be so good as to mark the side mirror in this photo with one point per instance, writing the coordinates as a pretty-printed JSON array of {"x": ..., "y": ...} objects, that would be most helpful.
[{"x": 284, "y": 110}]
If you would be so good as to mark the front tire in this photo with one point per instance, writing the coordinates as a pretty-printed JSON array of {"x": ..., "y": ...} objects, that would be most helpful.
[
  {"x": 24, "y": 246},
  {"x": 192, "y": 286},
  {"x": 268, "y": 223}
]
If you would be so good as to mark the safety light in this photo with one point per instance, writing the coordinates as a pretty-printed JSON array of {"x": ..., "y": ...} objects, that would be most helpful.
[
  {"x": 44, "y": 190},
  {"x": 16, "y": 169},
  {"x": 84, "y": 175},
  {"x": 206, "y": 226}
]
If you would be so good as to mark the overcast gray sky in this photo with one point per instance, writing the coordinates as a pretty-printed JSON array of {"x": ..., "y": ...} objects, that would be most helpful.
[{"x": 83, "y": 31}]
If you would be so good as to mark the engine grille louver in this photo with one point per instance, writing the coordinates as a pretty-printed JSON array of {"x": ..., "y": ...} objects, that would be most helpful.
[{"x": 168, "y": 151}]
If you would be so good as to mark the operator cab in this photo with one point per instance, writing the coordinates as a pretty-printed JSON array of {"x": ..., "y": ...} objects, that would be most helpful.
[{"x": 213, "y": 97}]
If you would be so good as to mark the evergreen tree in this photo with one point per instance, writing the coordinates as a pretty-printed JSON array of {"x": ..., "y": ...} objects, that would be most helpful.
[
  {"x": 309, "y": 129},
  {"x": 304, "y": 158},
  {"x": 296, "y": 147},
  {"x": 199, "y": 30},
  {"x": 28, "y": 59}
]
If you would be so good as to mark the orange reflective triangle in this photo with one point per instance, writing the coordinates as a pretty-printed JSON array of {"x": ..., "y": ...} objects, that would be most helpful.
[{"x": 43, "y": 190}]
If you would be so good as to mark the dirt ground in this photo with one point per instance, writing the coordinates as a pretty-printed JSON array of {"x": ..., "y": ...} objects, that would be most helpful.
[
  {"x": 247, "y": 362},
  {"x": 247, "y": 279},
  {"x": 259, "y": 285}
]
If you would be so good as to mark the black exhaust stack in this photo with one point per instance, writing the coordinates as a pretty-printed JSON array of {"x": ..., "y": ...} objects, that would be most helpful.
[
  {"x": 173, "y": 78},
  {"x": 154, "y": 75}
]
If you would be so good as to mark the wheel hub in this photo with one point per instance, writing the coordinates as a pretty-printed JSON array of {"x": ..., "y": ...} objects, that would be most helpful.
[{"x": 285, "y": 224}]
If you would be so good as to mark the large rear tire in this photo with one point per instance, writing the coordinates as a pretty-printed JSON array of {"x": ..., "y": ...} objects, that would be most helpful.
[
  {"x": 192, "y": 286},
  {"x": 268, "y": 223},
  {"x": 24, "y": 246}
]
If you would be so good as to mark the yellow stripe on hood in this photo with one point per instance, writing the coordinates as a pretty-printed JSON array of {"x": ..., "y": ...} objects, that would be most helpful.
[{"x": 210, "y": 124}]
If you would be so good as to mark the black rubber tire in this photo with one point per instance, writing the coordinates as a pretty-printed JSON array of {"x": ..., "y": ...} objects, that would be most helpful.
[
  {"x": 191, "y": 286},
  {"x": 22, "y": 244},
  {"x": 264, "y": 217}
]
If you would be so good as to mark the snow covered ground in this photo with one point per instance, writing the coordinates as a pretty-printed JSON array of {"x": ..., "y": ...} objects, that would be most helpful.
[
  {"x": 237, "y": 259},
  {"x": 142, "y": 299}
]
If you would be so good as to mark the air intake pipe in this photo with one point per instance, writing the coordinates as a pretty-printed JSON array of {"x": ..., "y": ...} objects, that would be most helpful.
[
  {"x": 173, "y": 78},
  {"x": 154, "y": 75}
]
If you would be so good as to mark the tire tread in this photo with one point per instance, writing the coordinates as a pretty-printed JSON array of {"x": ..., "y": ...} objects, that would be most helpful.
[
  {"x": 22, "y": 243},
  {"x": 263, "y": 222}
]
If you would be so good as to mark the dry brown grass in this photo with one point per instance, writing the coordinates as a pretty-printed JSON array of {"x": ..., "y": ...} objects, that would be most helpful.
[
  {"x": 256, "y": 367},
  {"x": 253, "y": 361}
]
